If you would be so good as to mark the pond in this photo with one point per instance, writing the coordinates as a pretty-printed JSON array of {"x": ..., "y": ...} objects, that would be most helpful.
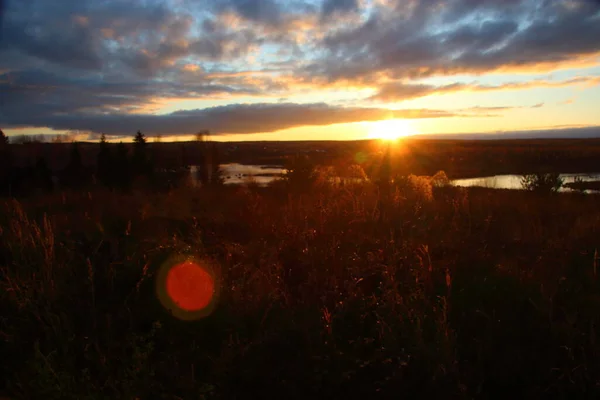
[
  {"x": 514, "y": 181},
  {"x": 241, "y": 173},
  {"x": 235, "y": 174}
]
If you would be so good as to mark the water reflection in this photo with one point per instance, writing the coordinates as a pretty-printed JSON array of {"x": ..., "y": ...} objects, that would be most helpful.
[
  {"x": 514, "y": 181},
  {"x": 235, "y": 174}
]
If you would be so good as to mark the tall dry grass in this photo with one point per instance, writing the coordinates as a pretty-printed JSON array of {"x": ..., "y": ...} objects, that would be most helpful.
[{"x": 336, "y": 291}]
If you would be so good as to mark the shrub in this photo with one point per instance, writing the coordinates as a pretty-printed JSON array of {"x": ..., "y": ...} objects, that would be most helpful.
[{"x": 542, "y": 182}]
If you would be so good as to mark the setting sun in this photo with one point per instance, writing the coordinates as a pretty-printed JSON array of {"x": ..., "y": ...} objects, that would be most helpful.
[{"x": 391, "y": 129}]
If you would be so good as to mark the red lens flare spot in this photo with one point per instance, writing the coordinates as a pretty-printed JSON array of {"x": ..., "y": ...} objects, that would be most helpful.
[{"x": 190, "y": 286}]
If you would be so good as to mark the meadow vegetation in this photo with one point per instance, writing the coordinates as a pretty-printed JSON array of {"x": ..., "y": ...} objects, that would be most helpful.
[{"x": 397, "y": 285}]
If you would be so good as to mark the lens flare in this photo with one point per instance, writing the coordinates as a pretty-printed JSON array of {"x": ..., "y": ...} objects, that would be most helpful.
[
  {"x": 187, "y": 288},
  {"x": 190, "y": 286}
]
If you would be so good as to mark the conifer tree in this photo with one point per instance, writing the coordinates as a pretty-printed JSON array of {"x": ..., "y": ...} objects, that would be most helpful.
[
  {"x": 141, "y": 164},
  {"x": 104, "y": 163},
  {"x": 3, "y": 140},
  {"x": 43, "y": 175},
  {"x": 74, "y": 173},
  {"x": 6, "y": 164},
  {"x": 122, "y": 168}
]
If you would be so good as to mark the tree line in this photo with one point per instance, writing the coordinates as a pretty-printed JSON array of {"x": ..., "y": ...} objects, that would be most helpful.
[{"x": 117, "y": 167}]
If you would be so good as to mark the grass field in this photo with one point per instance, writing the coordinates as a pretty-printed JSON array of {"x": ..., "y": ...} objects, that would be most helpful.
[{"x": 325, "y": 292}]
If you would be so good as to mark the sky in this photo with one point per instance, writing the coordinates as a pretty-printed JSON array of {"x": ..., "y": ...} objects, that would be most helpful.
[{"x": 298, "y": 69}]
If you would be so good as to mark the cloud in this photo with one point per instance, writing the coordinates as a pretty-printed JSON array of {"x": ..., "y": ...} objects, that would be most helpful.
[
  {"x": 30, "y": 93},
  {"x": 566, "y": 102},
  {"x": 237, "y": 118},
  {"x": 339, "y": 6},
  {"x": 134, "y": 38},
  {"x": 495, "y": 109},
  {"x": 400, "y": 91},
  {"x": 265, "y": 11},
  {"x": 550, "y": 132},
  {"x": 98, "y": 60},
  {"x": 413, "y": 39}
]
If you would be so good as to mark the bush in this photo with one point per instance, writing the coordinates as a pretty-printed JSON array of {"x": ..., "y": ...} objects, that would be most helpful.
[
  {"x": 300, "y": 172},
  {"x": 542, "y": 182}
]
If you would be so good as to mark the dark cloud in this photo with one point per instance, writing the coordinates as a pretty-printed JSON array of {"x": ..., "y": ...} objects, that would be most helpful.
[
  {"x": 265, "y": 11},
  {"x": 486, "y": 36},
  {"x": 339, "y": 6},
  {"x": 428, "y": 37},
  {"x": 30, "y": 93},
  {"x": 88, "y": 34},
  {"x": 238, "y": 118},
  {"x": 400, "y": 91},
  {"x": 133, "y": 37}
]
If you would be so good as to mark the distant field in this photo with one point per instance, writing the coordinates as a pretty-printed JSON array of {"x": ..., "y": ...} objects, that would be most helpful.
[{"x": 458, "y": 158}]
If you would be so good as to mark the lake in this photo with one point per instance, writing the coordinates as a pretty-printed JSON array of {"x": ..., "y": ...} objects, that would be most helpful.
[
  {"x": 514, "y": 181},
  {"x": 234, "y": 174}
]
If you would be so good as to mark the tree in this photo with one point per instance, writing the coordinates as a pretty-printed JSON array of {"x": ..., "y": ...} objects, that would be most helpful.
[
  {"x": 201, "y": 158},
  {"x": 385, "y": 169},
  {"x": 301, "y": 172},
  {"x": 216, "y": 176},
  {"x": 541, "y": 182},
  {"x": 140, "y": 162},
  {"x": 6, "y": 164},
  {"x": 122, "y": 169},
  {"x": 75, "y": 172},
  {"x": 104, "y": 163},
  {"x": 140, "y": 138},
  {"x": 58, "y": 139},
  {"x": 201, "y": 136},
  {"x": 4, "y": 141},
  {"x": 43, "y": 175},
  {"x": 75, "y": 157}
]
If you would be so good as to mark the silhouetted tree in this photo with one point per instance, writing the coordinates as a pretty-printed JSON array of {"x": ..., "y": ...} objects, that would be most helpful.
[
  {"x": 541, "y": 182},
  {"x": 201, "y": 136},
  {"x": 122, "y": 168},
  {"x": 43, "y": 175},
  {"x": 385, "y": 173},
  {"x": 104, "y": 164},
  {"x": 184, "y": 160},
  {"x": 6, "y": 164},
  {"x": 75, "y": 157},
  {"x": 384, "y": 183},
  {"x": 216, "y": 176},
  {"x": 75, "y": 174},
  {"x": 140, "y": 162},
  {"x": 300, "y": 173},
  {"x": 139, "y": 138},
  {"x": 201, "y": 159},
  {"x": 3, "y": 139}
]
